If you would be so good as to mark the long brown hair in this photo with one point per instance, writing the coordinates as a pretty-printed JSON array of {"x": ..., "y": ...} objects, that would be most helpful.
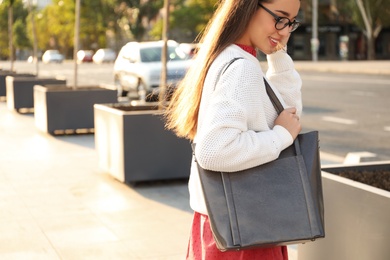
[{"x": 229, "y": 22}]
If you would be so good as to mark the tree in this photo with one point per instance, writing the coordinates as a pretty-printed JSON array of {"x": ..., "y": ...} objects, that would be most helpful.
[
  {"x": 10, "y": 32},
  {"x": 94, "y": 24},
  {"x": 31, "y": 11},
  {"x": 11, "y": 12},
  {"x": 187, "y": 19},
  {"x": 4, "y": 34},
  {"x": 20, "y": 39},
  {"x": 193, "y": 16},
  {"x": 135, "y": 18},
  {"x": 371, "y": 16}
]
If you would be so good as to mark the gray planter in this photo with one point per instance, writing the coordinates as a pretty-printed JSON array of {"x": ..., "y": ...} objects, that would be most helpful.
[
  {"x": 4, "y": 74},
  {"x": 357, "y": 218},
  {"x": 134, "y": 146},
  {"x": 63, "y": 110},
  {"x": 20, "y": 91}
]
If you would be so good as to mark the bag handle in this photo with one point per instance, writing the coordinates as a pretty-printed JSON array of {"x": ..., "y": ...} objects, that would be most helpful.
[{"x": 279, "y": 108}]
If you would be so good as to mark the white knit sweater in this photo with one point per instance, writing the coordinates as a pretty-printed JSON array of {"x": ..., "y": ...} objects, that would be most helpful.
[{"x": 236, "y": 118}]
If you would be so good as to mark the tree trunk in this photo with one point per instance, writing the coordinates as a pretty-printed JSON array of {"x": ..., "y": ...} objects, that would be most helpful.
[
  {"x": 76, "y": 42},
  {"x": 369, "y": 30},
  {"x": 10, "y": 35},
  {"x": 35, "y": 38},
  {"x": 164, "y": 58},
  {"x": 370, "y": 47}
]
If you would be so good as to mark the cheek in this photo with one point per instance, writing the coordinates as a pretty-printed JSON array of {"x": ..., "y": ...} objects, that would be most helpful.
[{"x": 261, "y": 27}]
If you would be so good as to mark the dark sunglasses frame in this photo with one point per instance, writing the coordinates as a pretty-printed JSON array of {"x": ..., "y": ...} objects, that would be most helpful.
[{"x": 292, "y": 25}]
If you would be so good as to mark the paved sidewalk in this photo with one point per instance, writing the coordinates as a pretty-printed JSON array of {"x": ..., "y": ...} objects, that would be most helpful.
[{"x": 56, "y": 204}]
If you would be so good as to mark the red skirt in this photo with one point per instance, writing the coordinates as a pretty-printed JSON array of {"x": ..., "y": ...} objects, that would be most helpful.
[{"x": 202, "y": 246}]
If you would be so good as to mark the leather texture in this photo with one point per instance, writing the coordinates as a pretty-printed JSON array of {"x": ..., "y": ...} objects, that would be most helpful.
[{"x": 277, "y": 203}]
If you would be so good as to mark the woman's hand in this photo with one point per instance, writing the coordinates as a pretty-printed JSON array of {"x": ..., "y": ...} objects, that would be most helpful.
[
  {"x": 289, "y": 120},
  {"x": 282, "y": 45}
]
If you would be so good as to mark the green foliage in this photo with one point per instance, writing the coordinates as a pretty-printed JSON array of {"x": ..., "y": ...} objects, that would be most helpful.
[
  {"x": 19, "y": 14},
  {"x": 93, "y": 24},
  {"x": 136, "y": 17},
  {"x": 186, "y": 20},
  {"x": 100, "y": 20},
  {"x": 192, "y": 16},
  {"x": 3, "y": 31},
  {"x": 55, "y": 26},
  {"x": 378, "y": 10},
  {"x": 20, "y": 38}
]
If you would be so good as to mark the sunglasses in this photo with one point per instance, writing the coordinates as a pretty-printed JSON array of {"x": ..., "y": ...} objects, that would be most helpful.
[{"x": 282, "y": 22}]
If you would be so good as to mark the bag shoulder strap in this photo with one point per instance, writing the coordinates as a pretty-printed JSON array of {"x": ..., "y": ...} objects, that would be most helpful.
[
  {"x": 274, "y": 99},
  {"x": 225, "y": 67},
  {"x": 230, "y": 63}
]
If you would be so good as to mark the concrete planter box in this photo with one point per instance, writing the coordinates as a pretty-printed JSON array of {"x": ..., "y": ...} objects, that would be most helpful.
[
  {"x": 20, "y": 91},
  {"x": 4, "y": 74},
  {"x": 63, "y": 110},
  {"x": 357, "y": 218},
  {"x": 133, "y": 144}
]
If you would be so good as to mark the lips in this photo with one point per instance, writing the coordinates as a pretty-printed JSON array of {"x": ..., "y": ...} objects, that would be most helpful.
[{"x": 274, "y": 42}]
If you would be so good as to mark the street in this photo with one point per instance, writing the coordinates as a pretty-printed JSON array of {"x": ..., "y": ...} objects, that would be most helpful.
[{"x": 349, "y": 110}]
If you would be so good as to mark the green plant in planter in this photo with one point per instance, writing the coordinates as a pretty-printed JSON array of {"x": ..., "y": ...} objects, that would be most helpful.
[{"x": 379, "y": 178}]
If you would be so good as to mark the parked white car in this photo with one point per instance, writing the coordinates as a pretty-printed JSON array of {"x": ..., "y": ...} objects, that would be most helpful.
[
  {"x": 52, "y": 56},
  {"x": 137, "y": 69},
  {"x": 104, "y": 56}
]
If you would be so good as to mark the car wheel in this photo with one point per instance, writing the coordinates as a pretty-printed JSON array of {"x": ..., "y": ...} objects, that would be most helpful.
[
  {"x": 141, "y": 91},
  {"x": 121, "y": 92}
]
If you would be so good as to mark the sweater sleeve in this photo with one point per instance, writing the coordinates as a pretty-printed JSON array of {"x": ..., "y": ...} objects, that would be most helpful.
[
  {"x": 237, "y": 129},
  {"x": 285, "y": 78}
]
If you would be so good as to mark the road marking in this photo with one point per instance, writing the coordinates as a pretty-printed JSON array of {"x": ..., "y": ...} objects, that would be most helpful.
[
  {"x": 363, "y": 93},
  {"x": 356, "y": 157},
  {"x": 347, "y": 80},
  {"x": 327, "y": 158},
  {"x": 339, "y": 120},
  {"x": 387, "y": 128}
]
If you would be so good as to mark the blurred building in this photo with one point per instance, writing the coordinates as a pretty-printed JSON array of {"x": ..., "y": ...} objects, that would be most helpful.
[{"x": 338, "y": 37}]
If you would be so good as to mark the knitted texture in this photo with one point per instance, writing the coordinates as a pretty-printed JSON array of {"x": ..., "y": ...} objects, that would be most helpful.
[{"x": 236, "y": 118}]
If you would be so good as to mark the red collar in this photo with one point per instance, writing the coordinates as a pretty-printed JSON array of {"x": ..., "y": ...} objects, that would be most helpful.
[{"x": 248, "y": 49}]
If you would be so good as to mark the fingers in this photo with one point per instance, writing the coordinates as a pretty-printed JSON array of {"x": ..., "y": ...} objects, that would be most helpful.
[
  {"x": 289, "y": 120},
  {"x": 292, "y": 110}
]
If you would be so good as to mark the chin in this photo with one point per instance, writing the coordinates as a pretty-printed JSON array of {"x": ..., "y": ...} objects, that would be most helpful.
[{"x": 268, "y": 51}]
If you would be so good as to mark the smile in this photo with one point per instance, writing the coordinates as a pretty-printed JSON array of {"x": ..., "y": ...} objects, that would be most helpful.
[{"x": 274, "y": 42}]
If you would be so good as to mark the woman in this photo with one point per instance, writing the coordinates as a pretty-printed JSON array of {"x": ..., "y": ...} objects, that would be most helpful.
[{"x": 226, "y": 111}]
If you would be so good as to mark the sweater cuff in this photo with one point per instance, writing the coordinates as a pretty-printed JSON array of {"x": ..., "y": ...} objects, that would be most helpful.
[
  {"x": 279, "y": 61},
  {"x": 284, "y": 136}
]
